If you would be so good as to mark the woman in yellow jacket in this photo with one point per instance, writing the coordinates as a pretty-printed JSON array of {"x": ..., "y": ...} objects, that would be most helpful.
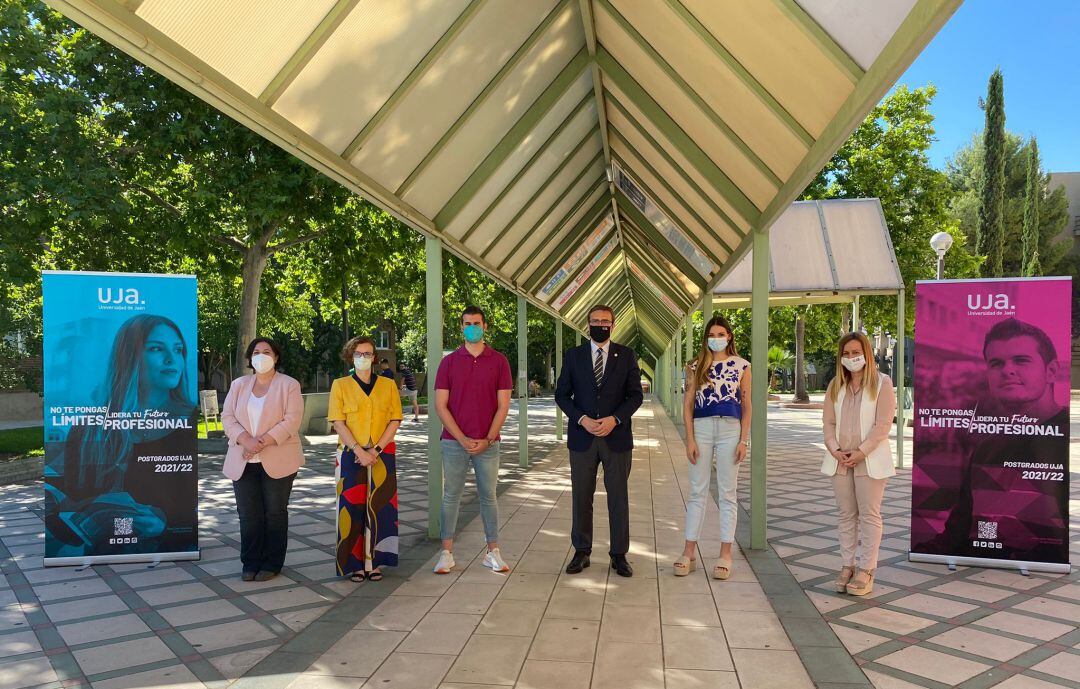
[{"x": 366, "y": 411}]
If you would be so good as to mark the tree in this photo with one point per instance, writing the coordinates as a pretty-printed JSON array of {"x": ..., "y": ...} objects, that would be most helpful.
[
  {"x": 800, "y": 360},
  {"x": 886, "y": 157},
  {"x": 990, "y": 239},
  {"x": 1029, "y": 266},
  {"x": 964, "y": 171}
]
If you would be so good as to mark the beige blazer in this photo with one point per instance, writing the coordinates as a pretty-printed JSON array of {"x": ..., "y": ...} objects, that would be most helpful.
[
  {"x": 282, "y": 412},
  {"x": 879, "y": 461}
]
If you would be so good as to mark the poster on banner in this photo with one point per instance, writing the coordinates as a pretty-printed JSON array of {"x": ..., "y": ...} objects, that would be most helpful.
[
  {"x": 120, "y": 417},
  {"x": 990, "y": 479}
]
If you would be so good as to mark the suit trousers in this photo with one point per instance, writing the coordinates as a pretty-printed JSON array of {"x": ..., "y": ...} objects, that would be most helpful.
[{"x": 583, "y": 467}]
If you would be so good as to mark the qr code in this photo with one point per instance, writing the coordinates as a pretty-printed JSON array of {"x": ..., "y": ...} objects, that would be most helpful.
[
  {"x": 123, "y": 526},
  {"x": 988, "y": 530}
]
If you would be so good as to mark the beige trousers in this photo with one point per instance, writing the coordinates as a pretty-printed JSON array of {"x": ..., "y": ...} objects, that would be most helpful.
[{"x": 859, "y": 501}]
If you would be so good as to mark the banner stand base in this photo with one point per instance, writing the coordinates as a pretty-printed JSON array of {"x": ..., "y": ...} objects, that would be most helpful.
[
  {"x": 152, "y": 559},
  {"x": 1020, "y": 565}
]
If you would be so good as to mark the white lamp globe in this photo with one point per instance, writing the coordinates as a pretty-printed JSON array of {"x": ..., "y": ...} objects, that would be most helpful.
[{"x": 941, "y": 242}]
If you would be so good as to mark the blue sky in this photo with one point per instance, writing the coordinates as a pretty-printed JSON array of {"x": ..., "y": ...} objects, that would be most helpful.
[{"x": 1036, "y": 43}]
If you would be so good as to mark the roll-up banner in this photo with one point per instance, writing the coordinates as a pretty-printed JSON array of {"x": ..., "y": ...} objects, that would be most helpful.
[
  {"x": 990, "y": 480},
  {"x": 121, "y": 417}
]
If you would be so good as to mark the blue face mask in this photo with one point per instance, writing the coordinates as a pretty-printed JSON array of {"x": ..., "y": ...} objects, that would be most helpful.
[
  {"x": 718, "y": 344},
  {"x": 473, "y": 334}
]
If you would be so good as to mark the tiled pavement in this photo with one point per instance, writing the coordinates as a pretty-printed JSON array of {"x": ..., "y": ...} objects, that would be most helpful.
[
  {"x": 540, "y": 628},
  {"x": 923, "y": 626},
  {"x": 193, "y": 623}
]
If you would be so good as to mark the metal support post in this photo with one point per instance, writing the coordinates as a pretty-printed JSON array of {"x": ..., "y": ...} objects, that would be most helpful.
[
  {"x": 558, "y": 371},
  {"x": 898, "y": 364},
  {"x": 759, "y": 390},
  {"x": 433, "y": 297},
  {"x": 523, "y": 382}
]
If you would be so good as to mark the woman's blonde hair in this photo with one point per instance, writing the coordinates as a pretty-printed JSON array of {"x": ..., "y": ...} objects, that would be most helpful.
[
  {"x": 843, "y": 376},
  {"x": 699, "y": 368}
]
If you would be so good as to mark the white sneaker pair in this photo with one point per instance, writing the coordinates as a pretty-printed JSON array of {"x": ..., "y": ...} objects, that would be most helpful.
[{"x": 493, "y": 561}]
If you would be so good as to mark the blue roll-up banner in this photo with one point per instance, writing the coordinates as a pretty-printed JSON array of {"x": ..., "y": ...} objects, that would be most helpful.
[{"x": 121, "y": 417}]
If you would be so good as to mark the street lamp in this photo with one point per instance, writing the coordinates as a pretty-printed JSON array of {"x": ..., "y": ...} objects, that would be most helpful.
[{"x": 941, "y": 243}]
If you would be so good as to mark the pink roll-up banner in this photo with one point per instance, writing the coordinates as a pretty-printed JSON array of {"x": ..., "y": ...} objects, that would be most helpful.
[{"x": 990, "y": 479}]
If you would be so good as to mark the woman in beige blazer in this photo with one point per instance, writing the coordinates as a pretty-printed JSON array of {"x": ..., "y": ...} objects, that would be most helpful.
[
  {"x": 857, "y": 415},
  {"x": 261, "y": 416}
]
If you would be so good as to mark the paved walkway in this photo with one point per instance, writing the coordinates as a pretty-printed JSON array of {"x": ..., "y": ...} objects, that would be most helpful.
[
  {"x": 195, "y": 625},
  {"x": 540, "y": 628},
  {"x": 923, "y": 626}
]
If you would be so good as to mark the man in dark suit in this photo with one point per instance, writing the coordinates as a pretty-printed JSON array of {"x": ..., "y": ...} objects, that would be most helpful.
[{"x": 599, "y": 389}]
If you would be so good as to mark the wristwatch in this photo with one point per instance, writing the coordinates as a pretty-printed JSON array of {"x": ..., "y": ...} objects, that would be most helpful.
[
  {"x": 745, "y": 442},
  {"x": 378, "y": 450}
]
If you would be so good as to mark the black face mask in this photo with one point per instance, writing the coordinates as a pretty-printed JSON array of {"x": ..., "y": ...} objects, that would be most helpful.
[{"x": 600, "y": 333}]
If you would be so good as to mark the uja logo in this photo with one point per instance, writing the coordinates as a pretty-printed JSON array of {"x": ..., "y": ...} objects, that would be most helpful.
[
  {"x": 980, "y": 302},
  {"x": 121, "y": 295}
]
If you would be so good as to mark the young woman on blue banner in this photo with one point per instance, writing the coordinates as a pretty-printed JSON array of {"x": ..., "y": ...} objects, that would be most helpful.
[
  {"x": 858, "y": 412},
  {"x": 261, "y": 416},
  {"x": 717, "y": 413},
  {"x": 365, "y": 409},
  {"x": 107, "y": 488}
]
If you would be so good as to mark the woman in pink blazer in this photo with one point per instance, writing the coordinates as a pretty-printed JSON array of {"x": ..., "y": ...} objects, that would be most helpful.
[{"x": 261, "y": 417}]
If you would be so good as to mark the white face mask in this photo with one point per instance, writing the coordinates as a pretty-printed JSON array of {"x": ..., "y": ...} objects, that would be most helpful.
[
  {"x": 361, "y": 363},
  {"x": 718, "y": 344},
  {"x": 855, "y": 363},
  {"x": 262, "y": 363}
]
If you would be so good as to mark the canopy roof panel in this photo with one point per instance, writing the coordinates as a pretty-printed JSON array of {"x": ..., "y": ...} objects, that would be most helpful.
[
  {"x": 822, "y": 249},
  {"x": 575, "y": 150}
]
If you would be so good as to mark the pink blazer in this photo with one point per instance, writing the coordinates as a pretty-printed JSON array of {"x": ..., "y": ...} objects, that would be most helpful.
[{"x": 282, "y": 412}]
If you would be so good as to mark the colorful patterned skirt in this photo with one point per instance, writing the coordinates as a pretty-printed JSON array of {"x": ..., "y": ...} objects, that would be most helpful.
[{"x": 367, "y": 512}]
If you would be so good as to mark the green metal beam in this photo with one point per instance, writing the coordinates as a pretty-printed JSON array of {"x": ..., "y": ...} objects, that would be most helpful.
[
  {"x": 825, "y": 42},
  {"x": 523, "y": 381},
  {"x": 433, "y": 296},
  {"x": 589, "y": 167},
  {"x": 570, "y": 242},
  {"x": 590, "y": 285},
  {"x": 673, "y": 75},
  {"x": 414, "y": 77},
  {"x": 660, "y": 243},
  {"x": 632, "y": 166},
  {"x": 663, "y": 281},
  {"x": 599, "y": 283},
  {"x": 648, "y": 299},
  {"x": 741, "y": 72},
  {"x": 513, "y": 138},
  {"x": 588, "y": 23},
  {"x": 659, "y": 149},
  {"x": 577, "y": 110},
  {"x": 482, "y": 97},
  {"x": 686, "y": 145},
  {"x": 307, "y": 50},
  {"x": 676, "y": 219},
  {"x": 759, "y": 390}
]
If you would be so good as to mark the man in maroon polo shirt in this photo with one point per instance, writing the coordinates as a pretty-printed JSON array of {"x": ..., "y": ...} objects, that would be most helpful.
[{"x": 472, "y": 398}]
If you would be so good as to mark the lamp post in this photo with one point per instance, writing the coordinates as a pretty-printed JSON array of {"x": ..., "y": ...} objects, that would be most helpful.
[{"x": 941, "y": 243}]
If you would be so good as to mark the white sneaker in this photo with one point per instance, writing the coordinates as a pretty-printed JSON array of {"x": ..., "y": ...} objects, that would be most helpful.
[
  {"x": 445, "y": 563},
  {"x": 494, "y": 560}
]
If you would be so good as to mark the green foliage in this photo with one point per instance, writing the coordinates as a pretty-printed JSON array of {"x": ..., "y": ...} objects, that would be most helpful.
[
  {"x": 22, "y": 441},
  {"x": 990, "y": 236},
  {"x": 965, "y": 170},
  {"x": 886, "y": 157},
  {"x": 1029, "y": 264}
]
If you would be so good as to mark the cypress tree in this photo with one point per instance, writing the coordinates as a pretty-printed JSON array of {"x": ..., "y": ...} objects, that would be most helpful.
[
  {"x": 1030, "y": 265},
  {"x": 991, "y": 234}
]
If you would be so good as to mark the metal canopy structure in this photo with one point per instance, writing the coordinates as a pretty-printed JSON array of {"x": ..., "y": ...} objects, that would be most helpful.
[
  {"x": 575, "y": 150},
  {"x": 821, "y": 252},
  {"x": 624, "y": 151}
]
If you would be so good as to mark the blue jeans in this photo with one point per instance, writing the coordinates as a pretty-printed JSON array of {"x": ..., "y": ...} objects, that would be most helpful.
[
  {"x": 717, "y": 439},
  {"x": 485, "y": 465}
]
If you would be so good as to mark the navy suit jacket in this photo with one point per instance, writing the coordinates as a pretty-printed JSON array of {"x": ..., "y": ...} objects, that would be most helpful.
[{"x": 619, "y": 395}]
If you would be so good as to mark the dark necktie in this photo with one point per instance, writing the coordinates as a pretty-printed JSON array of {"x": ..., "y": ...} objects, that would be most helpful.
[{"x": 598, "y": 366}]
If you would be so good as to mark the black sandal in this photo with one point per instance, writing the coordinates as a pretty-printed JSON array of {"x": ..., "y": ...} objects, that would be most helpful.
[
  {"x": 374, "y": 575},
  {"x": 357, "y": 577}
]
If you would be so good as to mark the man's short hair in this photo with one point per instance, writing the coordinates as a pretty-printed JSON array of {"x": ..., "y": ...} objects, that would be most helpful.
[
  {"x": 1013, "y": 328},
  {"x": 385, "y": 361},
  {"x": 601, "y": 307},
  {"x": 472, "y": 310}
]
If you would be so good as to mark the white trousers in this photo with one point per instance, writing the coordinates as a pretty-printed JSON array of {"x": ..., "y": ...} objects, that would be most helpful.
[{"x": 717, "y": 438}]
